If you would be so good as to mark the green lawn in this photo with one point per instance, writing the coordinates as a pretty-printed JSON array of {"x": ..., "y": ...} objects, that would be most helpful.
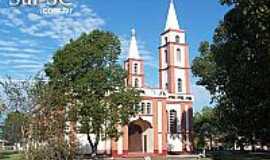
[
  {"x": 212, "y": 156},
  {"x": 10, "y": 156},
  {"x": 238, "y": 156},
  {"x": 222, "y": 156}
]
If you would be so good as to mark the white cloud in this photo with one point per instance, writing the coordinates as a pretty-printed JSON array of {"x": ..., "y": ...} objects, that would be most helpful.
[
  {"x": 27, "y": 66},
  {"x": 29, "y": 50},
  {"x": 7, "y": 43},
  {"x": 17, "y": 55},
  {"x": 58, "y": 27},
  {"x": 9, "y": 49},
  {"x": 23, "y": 61},
  {"x": 33, "y": 17},
  {"x": 15, "y": 49},
  {"x": 145, "y": 53},
  {"x": 12, "y": 16}
]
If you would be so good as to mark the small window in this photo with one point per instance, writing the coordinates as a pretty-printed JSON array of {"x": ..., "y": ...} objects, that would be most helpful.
[
  {"x": 137, "y": 107},
  {"x": 173, "y": 122},
  {"x": 135, "y": 68},
  {"x": 136, "y": 85},
  {"x": 148, "y": 108},
  {"x": 166, "y": 86},
  {"x": 142, "y": 108},
  {"x": 179, "y": 84},
  {"x": 166, "y": 40},
  {"x": 178, "y": 53},
  {"x": 177, "y": 39},
  {"x": 166, "y": 56}
]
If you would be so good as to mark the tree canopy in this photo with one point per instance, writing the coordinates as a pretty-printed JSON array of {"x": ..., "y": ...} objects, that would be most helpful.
[
  {"x": 206, "y": 126},
  {"x": 14, "y": 131},
  {"x": 235, "y": 68},
  {"x": 87, "y": 73}
]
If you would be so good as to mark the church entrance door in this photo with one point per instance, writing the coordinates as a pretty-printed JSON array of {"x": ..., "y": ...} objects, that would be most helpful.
[
  {"x": 134, "y": 138},
  {"x": 137, "y": 141}
]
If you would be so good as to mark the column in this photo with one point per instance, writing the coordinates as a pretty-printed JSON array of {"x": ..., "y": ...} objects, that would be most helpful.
[
  {"x": 187, "y": 128},
  {"x": 114, "y": 147},
  {"x": 164, "y": 128},
  {"x": 125, "y": 140},
  {"x": 120, "y": 144},
  {"x": 159, "y": 125},
  {"x": 155, "y": 125}
]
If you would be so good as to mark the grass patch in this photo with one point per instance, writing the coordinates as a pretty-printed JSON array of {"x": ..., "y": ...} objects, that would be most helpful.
[
  {"x": 212, "y": 156},
  {"x": 10, "y": 155},
  {"x": 240, "y": 156}
]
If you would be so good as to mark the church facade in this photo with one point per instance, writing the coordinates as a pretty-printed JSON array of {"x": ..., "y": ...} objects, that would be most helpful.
[{"x": 164, "y": 125}]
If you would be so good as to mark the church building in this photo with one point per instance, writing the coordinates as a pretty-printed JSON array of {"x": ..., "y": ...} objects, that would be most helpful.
[{"x": 164, "y": 125}]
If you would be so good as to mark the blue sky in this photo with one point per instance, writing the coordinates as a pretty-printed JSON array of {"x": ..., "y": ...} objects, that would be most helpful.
[{"x": 28, "y": 39}]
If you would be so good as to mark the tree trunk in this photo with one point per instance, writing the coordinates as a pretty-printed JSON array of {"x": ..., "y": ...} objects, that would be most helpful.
[
  {"x": 93, "y": 145},
  {"x": 211, "y": 142},
  {"x": 72, "y": 138},
  {"x": 242, "y": 147},
  {"x": 253, "y": 147},
  {"x": 252, "y": 140}
]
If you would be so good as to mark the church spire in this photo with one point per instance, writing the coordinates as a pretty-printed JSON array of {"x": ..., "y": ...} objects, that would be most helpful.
[
  {"x": 172, "y": 21},
  {"x": 133, "y": 47}
]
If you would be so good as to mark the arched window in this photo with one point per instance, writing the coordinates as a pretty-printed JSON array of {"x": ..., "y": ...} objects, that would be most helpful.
[
  {"x": 173, "y": 122},
  {"x": 179, "y": 84},
  {"x": 166, "y": 56},
  {"x": 136, "y": 83},
  {"x": 148, "y": 108},
  {"x": 135, "y": 68},
  {"x": 178, "y": 54},
  {"x": 177, "y": 39}
]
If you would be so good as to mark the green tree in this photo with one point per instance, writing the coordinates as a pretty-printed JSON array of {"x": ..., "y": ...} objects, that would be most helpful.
[
  {"x": 14, "y": 131},
  {"x": 18, "y": 101},
  {"x": 47, "y": 124},
  {"x": 86, "y": 72},
  {"x": 206, "y": 127},
  {"x": 235, "y": 68},
  {"x": 2, "y": 108},
  {"x": 36, "y": 116}
]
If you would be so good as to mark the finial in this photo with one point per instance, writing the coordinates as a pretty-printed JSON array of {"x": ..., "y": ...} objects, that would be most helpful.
[{"x": 133, "y": 32}]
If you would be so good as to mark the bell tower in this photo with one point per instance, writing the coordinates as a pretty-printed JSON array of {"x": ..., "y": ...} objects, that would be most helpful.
[
  {"x": 134, "y": 64},
  {"x": 174, "y": 56}
]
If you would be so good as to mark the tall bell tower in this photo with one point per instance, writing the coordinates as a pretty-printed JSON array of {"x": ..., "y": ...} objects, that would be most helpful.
[
  {"x": 134, "y": 65},
  {"x": 174, "y": 56}
]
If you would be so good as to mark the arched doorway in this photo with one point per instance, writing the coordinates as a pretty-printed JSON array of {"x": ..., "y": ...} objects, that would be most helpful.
[{"x": 137, "y": 141}]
